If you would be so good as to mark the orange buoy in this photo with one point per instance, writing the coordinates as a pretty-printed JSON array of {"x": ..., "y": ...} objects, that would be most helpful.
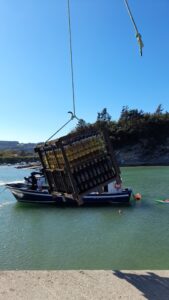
[{"x": 137, "y": 196}]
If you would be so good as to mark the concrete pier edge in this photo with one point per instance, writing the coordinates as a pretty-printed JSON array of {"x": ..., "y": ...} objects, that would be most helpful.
[{"x": 84, "y": 284}]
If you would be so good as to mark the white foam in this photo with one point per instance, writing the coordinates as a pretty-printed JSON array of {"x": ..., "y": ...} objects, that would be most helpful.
[
  {"x": 5, "y": 204},
  {"x": 2, "y": 183}
]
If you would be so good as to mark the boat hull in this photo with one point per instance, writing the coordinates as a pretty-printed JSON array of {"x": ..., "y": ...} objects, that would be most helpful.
[{"x": 24, "y": 195}]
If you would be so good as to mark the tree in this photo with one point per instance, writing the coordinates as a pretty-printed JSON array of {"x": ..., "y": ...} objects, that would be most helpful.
[
  {"x": 130, "y": 114},
  {"x": 103, "y": 116},
  {"x": 81, "y": 124},
  {"x": 124, "y": 114},
  {"x": 159, "y": 110}
]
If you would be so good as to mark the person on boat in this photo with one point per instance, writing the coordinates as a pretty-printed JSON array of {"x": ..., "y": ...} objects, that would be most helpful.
[
  {"x": 40, "y": 183},
  {"x": 105, "y": 188},
  {"x": 33, "y": 182},
  {"x": 115, "y": 187},
  {"x": 118, "y": 186}
]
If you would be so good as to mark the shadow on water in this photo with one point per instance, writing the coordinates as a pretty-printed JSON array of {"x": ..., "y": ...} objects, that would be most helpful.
[
  {"x": 151, "y": 285},
  {"x": 21, "y": 206}
]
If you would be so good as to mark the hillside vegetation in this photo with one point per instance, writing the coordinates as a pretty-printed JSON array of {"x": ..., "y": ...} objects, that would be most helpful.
[
  {"x": 138, "y": 137},
  {"x": 14, "y": 156}
]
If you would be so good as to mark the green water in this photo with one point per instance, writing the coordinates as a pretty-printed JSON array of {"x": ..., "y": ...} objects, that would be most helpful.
[{"x": 40, "y": 237}]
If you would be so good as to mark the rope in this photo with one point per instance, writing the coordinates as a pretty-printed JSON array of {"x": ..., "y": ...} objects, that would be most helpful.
[
  {"x": 138, "y": 35},
  {"x": 64, "y": 125},
  {"x": 73, "y": 114}
]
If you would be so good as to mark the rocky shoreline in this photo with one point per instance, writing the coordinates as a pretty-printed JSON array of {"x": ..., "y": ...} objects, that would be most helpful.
[
  {"x": 139, "y": 154},
  {"x": 126, "y": 157}
]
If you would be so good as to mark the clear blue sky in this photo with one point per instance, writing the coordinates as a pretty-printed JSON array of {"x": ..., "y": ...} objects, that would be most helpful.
[{"x": 35, "y": 82}]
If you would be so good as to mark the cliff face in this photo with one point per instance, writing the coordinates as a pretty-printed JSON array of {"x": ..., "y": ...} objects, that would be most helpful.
[{"x": 141, "y": 154}]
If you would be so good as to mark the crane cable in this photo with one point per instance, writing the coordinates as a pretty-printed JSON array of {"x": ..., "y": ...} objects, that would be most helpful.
[
  {"x": 71, "y": 59},
  {"x": 138, "y": 35},
  {"x": 73, "y": 114}
]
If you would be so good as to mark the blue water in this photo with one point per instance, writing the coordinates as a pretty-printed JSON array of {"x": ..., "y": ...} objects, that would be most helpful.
[{"x": 45, "y": 237}]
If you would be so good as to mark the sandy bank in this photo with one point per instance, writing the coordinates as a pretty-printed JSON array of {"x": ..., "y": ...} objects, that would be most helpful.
[{"x": 72, "y": 285}]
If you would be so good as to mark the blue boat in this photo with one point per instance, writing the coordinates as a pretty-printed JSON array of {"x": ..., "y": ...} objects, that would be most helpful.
[{"x": 25, "y": 194}]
